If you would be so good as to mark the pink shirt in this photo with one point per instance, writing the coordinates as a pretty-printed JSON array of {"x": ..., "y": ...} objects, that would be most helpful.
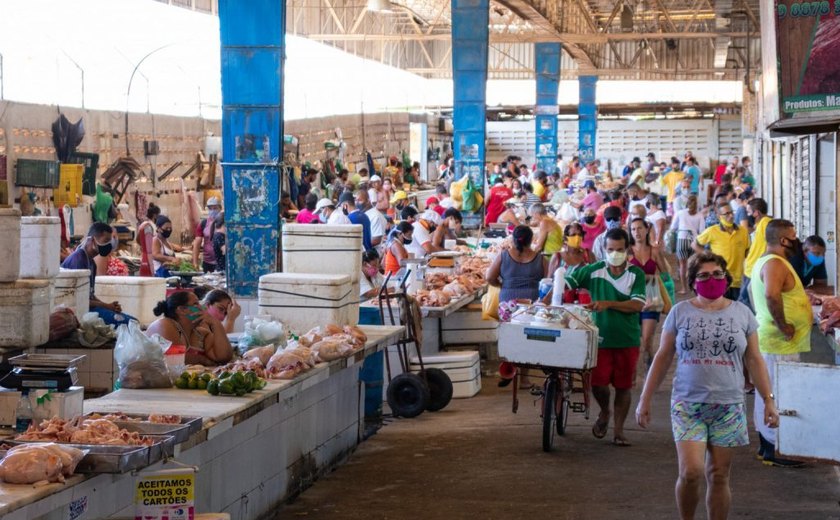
[{"x": 305, "y": 217}]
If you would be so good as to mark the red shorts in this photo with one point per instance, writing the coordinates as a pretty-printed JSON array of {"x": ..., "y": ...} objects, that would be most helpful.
[{"x": 616, "y": 366}]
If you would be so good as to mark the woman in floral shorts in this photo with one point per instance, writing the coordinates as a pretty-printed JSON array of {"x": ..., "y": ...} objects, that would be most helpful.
[{"x": 712, "y": 338}]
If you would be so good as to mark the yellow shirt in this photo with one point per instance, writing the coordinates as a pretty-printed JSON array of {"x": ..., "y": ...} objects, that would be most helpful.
[
  {"x": 539, "y": 189},
  {"x": 797, "y": 309},
  {"x": 671, "y": 180},
  {"x": 759, "y": 245},
  {"x": 731, "y": 245}
]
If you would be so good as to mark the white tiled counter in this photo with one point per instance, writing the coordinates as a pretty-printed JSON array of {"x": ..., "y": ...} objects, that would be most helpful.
[{"x": 252, "y": 453}]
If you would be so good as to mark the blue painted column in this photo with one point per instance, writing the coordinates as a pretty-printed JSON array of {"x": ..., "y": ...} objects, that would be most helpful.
[
  {"x": 253, "y": 38},
  {"x": 470, "y": 40},
  {"x": 547, "y": 64},
  {"x": 587, "y": 118}
]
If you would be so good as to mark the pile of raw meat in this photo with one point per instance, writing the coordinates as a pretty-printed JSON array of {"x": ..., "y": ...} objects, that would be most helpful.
[
  {"x": 84, "y": 430},
  {"x": 441, "y": 288},
  {"x": 319, "y": 344},
  {"x": 122, "y": 417},
  {"x": 830, "y": 314},
  {"x": 39, "y": 464},
  {"x": 249, "y": 362}
]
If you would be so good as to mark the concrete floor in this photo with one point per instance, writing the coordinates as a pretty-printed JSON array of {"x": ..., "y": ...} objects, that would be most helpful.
[{"x": 477, "y": 460}]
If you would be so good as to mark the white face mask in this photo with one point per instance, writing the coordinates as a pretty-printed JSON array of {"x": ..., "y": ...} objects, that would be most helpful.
[
  {"x": 322, "y": 217},
  {"x": 616, "y": 258}
]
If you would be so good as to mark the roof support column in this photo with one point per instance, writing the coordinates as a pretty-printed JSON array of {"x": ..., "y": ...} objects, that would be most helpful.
[
  {"x": 587, "y": 118},
  {"x": 470, "y": 42},
  {"x": 547, "y": 58},
  {"x": 253, "y": 37}
]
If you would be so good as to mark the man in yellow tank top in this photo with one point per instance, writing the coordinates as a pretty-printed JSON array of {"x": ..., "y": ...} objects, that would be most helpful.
[{"x": 784, "y": 316}]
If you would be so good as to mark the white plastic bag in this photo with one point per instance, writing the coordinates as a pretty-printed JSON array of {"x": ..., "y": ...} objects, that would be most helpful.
[
  {"x": 259, "y": 333},
  {"x": 140, "y": 359},
  {"x": 567, "y": 213},
  {"x": 93, "y": 331},
  {"x": 653, "y": 295}
]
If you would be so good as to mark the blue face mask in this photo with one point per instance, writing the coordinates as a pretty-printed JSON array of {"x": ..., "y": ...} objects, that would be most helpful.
[
  {"x": 813, "y": 259},
  {"x": 613, "y": 224}
]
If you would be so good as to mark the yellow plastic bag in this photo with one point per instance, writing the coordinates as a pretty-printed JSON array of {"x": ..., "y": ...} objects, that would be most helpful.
[{"x": 490, "y": 303}]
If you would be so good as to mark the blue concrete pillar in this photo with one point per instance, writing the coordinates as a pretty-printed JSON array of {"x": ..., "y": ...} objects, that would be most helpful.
[
  {"x": 470, "y": 40},
  {"x": 587, "y": 118},
  {"x": 253, "y": 38},
  {"x": 547, "y": 65}
]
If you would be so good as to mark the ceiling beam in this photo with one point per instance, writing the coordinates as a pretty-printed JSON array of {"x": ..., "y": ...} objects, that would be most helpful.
[{"x": 564, "y": 38}]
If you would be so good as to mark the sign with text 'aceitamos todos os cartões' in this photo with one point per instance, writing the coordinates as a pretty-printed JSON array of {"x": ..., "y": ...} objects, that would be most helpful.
[{"x": 808, "y": 45}]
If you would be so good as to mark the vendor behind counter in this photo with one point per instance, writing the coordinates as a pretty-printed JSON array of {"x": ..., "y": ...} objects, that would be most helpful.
[{"x": 97, "y": 243}]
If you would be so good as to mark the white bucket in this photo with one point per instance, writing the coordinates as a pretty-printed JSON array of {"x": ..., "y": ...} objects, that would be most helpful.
[
  {"x": 10, "y": 252},
  {"x": 71, "y": 288},
  {"x": 40, "y": 247},
  {"x": 25, "y": 313},
  {"x": 305, "y": 301}
]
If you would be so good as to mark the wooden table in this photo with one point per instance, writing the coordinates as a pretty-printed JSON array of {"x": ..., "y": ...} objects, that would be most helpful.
[{"x": 222, "y": 418}]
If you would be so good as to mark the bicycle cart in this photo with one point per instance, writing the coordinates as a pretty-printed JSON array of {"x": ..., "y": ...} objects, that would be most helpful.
[{"x": 563, "y": 343}]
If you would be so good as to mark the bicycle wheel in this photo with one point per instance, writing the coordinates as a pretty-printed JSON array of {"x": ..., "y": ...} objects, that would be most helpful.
[
  {"x": 549, "y": 413},
  {"x": 564, "y": 395}
]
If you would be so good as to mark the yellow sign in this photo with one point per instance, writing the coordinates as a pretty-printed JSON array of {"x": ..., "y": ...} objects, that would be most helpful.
[{"x": 168, "y": 494}]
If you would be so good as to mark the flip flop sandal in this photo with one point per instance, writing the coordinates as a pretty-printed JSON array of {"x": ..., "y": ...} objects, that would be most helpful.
[
  {"x": 622, "y": 443},
  {"x": 599, "y": 429}
]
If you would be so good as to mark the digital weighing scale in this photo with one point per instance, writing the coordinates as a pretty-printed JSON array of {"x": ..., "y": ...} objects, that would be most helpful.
[{"x": 55, "y": 372}]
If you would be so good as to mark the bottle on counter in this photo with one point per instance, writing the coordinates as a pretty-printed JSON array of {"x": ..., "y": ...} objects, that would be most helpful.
[
  {"x": 559, "y": 287},
  {"x": 23, "y": 412}
]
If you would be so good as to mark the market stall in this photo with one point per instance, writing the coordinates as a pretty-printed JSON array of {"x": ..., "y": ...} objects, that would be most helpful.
[{"x": 287, "y": 434}]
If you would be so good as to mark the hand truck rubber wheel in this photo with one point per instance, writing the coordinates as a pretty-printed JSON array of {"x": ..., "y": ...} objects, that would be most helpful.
[
  {"x": 440, "y": 388},
  {"x": 408, "y": 395}
]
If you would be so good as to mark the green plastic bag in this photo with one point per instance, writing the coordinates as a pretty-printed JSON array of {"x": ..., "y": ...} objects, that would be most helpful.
[
  {"x": 668, "y": 282},
  {"x": 469, "y": 202}
]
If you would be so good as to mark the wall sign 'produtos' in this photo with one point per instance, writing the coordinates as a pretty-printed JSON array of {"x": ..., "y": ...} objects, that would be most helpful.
[{"x": 808, "y": 45}]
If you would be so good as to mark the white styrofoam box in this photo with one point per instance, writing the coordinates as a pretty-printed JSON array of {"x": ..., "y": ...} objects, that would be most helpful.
[
  {"x": 10, "y": 252},
  {"x": 463, "y": 368},
  {"x": 548, "y": 345},
  {"x": 40, "y": 247},
  {"x": 137, "y": 295},
  {"x": 305, "y": 301},
  {"x": 466, "y": 326},
  {"x": 66, "y": 405},
  {"x": 323, "y": 249},
  {"x": 72, "y": 289},
  {"x": 25, "y": 307}
]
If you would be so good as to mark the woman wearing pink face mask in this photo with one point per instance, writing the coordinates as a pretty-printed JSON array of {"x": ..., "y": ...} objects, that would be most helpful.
[
  {"x": 371, "y": 280},
  {"x": 221, "y": 306},
  {"x": 184, "y": 321},
  {"x": 712, "y": 338}
]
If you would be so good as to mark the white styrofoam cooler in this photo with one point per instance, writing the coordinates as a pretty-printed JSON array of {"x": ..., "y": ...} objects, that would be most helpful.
[
  {"x": 137, "y": 295},
  {"x": 40, "y": 247},
  {"x": 467, "y": 327},
  {"x": 71, "y": 288},
  {"x": 25, "y": 307},
  {"x": 324, "y": 249},
  {"x": 543, "y": 343},
  {"x": 10, "y": 252},
  {"x": 463, "y": 368},
  {"x": 304, "y": 301}
]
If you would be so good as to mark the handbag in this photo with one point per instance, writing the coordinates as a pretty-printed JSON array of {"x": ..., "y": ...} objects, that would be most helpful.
[
  {"x": 490, "y": 303},
  {"x": 671, "y": 241},
  {"x": 653, "y": 295}
]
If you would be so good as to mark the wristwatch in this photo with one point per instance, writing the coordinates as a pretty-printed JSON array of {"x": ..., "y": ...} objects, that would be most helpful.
[{"x": 771, "y": 395}]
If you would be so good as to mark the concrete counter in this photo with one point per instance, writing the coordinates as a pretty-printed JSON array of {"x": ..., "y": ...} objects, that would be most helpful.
[{"x": 252, "y": 452}]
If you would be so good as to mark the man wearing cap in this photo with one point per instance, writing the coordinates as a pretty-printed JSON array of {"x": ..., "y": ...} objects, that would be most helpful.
[
  {"x": 203, "y": 242},
  {"x": 630, "y": 168},
  {"x": 433, "y": 203},
  {"x": 351, "y": 206},
  {"x": 327, "y": 214},
  {"x": 593, "y": 200},
  {"x": 423, "y": 241},
  {"x": 307, "y": 176},
  {"x": 651, "y": 162},
  {"x": 374, "y": 189},
  {"x": 499, "y": 193},
  {"x": 399, "y": 201}
]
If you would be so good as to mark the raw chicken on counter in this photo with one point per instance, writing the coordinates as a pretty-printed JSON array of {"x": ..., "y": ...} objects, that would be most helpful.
[
  {"x": 39, "y": 464},
  {"x": 122, "y": 417},
  {"x": 433, "y": 298},
  {"x": 83, "y": 430}
]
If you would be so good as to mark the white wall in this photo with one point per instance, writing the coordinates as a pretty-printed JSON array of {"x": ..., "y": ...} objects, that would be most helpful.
[{"x": 621, "y": 140}]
